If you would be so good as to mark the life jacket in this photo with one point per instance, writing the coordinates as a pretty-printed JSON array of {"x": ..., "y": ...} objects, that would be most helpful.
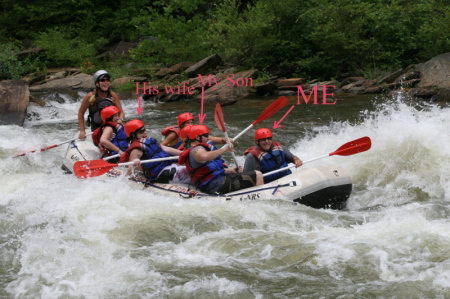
[
  {"x": 206, "y": 172},
  {"x": 96, "y": 107},
  {"x": 151, "y": 150},
  {"x": 213, "y": 147},
  {"x": 274, "y": 159},
  {"x": 176, "y": 129},
  {"x": 118, "y": 138}
]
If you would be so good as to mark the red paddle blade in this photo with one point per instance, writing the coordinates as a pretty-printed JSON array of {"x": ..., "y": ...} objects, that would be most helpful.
[
  {"x": 218, "y": 118},
  {"x": 91, "y": 168},
  {"x": 272, "y": 109},
  {"x": 353, "y": 147}
]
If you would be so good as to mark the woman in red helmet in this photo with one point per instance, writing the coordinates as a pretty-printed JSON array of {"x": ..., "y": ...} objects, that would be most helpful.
[
  {"x": 172, "y": 134},
  {"x": 143, "y": 147},
  {"x": 268, "y": 155},
  {"x": 209, "y": 174},
  {"x": 110, "y": 136},
  {"x": 96, "y": 100}
]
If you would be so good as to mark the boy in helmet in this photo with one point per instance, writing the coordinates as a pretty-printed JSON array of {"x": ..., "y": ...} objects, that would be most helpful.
[
  {"x": 209, "y": 174},
  {"x": 268, "y": 155}
]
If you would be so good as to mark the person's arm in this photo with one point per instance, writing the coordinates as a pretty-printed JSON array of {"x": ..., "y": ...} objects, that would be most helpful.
[
  {"x": 118, "y": 104},
  {"x": 104, "y": 140},
  {"x": 290, "y": 158},
  {"x": 170, "y": 150},
  {"x": 170, "y": 138},
  {"x": 201, "y": 155},
  {"x": 81, "y": 111},
  {"x": 135, "y": 157},
  {"x": 218, "y": 140},
  {"x": 251, "y": 163}
]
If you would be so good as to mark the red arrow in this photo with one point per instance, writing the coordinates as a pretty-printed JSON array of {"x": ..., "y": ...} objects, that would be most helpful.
[
  {"x": 139, "y": 108},
  {"x": 276, "y": 124},
  {"x": 201, "y": 116}
]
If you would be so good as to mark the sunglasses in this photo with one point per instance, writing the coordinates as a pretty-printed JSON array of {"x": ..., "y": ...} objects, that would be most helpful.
[
  {"x": 141, "y": 131},
  {"x": 265, "y": 139},
  {"x": 104, "y": 80},
  {"x": 206, "y": 135}
]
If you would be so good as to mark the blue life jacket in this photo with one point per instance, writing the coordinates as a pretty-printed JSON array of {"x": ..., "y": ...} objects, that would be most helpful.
[
  {"x": 151, "y": 150},
  {"x": 274, "y": 159}
]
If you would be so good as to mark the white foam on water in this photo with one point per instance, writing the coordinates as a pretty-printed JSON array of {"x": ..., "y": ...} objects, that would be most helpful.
[{"x": 68, "y": 237}]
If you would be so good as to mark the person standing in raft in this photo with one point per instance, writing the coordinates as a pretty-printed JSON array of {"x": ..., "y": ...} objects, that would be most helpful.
[
  {"x": 172, "y": 134},
  {"x": 110, "y": 136},
  {"x": 95, "y": 101},
  {"x": 268, "y": 155},
  {"x": 208, "y": 174},
  {"x": 143, "y": 147}
]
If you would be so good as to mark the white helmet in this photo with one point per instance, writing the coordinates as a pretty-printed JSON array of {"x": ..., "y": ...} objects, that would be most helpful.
[{"x": 98, "y": 74}]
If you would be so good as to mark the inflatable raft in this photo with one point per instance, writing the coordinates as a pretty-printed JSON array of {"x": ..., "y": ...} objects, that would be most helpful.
[{"x": 318, "y": 187}]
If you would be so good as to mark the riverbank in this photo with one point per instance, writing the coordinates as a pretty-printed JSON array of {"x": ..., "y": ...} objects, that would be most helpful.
[{"x": 196, "y": 82}]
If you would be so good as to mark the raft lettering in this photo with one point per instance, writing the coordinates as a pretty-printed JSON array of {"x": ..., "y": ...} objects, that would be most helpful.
[
  {"x": 184, "y": 89},
  {"x": 250, "y": 197}
]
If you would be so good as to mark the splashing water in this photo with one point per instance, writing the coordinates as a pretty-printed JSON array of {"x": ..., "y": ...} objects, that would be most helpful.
[{"x": 62, "y": 237}]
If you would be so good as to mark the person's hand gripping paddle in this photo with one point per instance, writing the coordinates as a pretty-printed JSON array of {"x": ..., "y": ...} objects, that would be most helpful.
[{"x": 350, "y": 148}]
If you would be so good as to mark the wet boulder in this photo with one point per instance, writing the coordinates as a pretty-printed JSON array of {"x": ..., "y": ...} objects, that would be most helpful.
[{"x": 14, "y": 100}]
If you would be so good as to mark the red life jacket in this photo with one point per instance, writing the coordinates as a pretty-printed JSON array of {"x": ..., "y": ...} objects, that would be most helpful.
[
  {"x": 206, "y": 172},
  {"x": 176, "y": 130}
]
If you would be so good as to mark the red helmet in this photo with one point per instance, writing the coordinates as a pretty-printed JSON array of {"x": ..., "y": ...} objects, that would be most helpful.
[
  {"x": 184, "y": 117},
  {"x": 198, "y": 130},
  {"x": 262, "y": 133},
  {"x": 133, "y": 125},
  {"x": 109, "y": 111},
  {"x": 185, "y": 131}
]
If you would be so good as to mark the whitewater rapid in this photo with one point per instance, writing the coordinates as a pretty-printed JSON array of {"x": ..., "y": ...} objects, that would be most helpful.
[{"x": 63, "y": 237}]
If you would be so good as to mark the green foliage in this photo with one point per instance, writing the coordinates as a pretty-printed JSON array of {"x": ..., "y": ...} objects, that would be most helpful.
[
  {"x": 62, "y": 50},
  {"x": 10, "y": 67},
  {"x": 313, "y": 38},
  {"x": 175, "y": 38}
]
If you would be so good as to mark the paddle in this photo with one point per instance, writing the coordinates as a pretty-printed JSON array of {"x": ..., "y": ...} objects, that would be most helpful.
[
  {"x": 220, "y": 122},
  {"x": 111, "y": 157},
  {"x": 50, "y": 147},
  {"x": 268, "y": 112},
  {"x": 92, "y": 168},
  {"x": 350, "y": 148}
]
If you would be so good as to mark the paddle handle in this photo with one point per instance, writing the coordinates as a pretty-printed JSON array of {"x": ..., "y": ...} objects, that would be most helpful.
[
  {"x": 292, "y": 166},
  {"x": 111, "y": 157},
  {"x": 243, "y": 132},
  {"x": 150, "y": 160},
  {"x": 229, "y": 146},
  {"x": 50, "y": 147}
]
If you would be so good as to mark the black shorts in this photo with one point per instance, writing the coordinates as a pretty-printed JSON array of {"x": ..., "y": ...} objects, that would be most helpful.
[{"x": 237, "y": 181}]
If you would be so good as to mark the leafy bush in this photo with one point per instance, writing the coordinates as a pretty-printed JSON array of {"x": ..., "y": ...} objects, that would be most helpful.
[
  {"x": 61, "y": 50},
  {"x": 10, "y": 67}
]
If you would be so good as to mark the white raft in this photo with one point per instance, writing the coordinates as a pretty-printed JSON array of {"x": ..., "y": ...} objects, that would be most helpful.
[{"x": 318, "y": 187}]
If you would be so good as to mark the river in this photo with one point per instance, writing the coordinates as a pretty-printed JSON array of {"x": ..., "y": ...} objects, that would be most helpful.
[{"x": 63, "y": 237}]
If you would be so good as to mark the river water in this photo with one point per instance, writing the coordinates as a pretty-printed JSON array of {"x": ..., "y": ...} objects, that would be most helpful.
[{"x": 63, "y": 237}]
